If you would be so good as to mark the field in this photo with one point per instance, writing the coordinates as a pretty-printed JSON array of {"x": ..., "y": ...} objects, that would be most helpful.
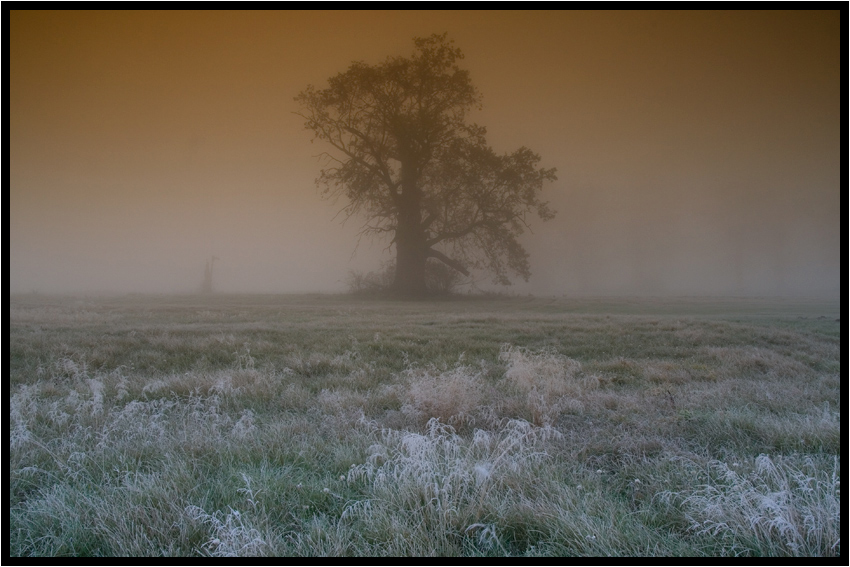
[{"x": 334, "y": 425}]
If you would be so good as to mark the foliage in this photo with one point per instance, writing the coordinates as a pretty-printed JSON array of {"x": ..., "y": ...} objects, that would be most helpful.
[
  {"x": 407, "y": 160},
  {"x": 439, "y": 279}
]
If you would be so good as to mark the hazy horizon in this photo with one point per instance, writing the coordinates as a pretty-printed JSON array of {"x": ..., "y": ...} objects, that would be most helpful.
[{"x": 698, "y": 153}]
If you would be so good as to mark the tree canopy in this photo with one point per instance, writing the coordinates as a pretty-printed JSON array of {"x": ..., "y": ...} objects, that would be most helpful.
[{"x": 405, "y": 159}]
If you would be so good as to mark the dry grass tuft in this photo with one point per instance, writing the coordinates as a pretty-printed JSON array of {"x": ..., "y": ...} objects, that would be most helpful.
[
  {"x": 452, "y": 396},
  {"x": 233, "y": 535},
  {"x": 550, "y": 382}
]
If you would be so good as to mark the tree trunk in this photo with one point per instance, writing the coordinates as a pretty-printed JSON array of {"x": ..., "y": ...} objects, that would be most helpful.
[
  {"x": 410, "y": 240},
  {"x": 409, "y": 267}
]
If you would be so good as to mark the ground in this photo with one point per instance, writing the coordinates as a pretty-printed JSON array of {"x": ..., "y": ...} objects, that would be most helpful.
[{"x": 336, "y": 425}]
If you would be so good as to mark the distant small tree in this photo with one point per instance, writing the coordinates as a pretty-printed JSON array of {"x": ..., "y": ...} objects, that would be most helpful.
[
  {"x": 405, "y": 158},
  {"x": 207, "y": 285}
]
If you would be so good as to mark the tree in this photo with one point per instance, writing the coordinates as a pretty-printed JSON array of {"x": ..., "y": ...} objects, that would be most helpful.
[
  {"x": 405, "y": 158},
  {"x": 207, "y": 286}
]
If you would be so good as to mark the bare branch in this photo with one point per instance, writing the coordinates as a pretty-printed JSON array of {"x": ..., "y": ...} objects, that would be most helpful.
[{"x": 448, "y": 261}]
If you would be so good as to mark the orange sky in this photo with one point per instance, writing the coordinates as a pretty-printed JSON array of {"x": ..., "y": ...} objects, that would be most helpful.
[{"x": 697, "y": 152}]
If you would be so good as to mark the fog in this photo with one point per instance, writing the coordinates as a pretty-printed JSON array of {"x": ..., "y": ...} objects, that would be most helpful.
[{"x": 698, "y": 153}]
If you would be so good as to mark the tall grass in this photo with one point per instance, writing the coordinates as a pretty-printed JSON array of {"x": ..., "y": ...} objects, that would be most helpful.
[
  {"x": 780, "y": 507},
  {"x": 439, "y": 488},
  {"x": 237, "y": 426}
]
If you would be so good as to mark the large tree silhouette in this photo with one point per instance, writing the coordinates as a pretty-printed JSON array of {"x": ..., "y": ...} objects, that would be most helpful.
[{"x": 406, "y": 160}]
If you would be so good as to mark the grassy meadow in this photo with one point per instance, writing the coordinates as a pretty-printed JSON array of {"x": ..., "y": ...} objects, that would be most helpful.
[{"x": 337, "y": 425}]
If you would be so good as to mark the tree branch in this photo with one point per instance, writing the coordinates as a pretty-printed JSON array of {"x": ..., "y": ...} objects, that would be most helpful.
[{"x": 454, "y": 264}]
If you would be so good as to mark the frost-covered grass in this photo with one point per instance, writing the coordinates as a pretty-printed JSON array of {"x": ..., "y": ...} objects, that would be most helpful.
[
  {"x": 786, "y": 506},
  {"x": 310, "y": 425}
]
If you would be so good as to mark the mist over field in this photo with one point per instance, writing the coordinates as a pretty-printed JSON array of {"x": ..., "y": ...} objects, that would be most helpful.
[
  {"x": 186, "y": 377},
  {"x": 698, "y": 153}
]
